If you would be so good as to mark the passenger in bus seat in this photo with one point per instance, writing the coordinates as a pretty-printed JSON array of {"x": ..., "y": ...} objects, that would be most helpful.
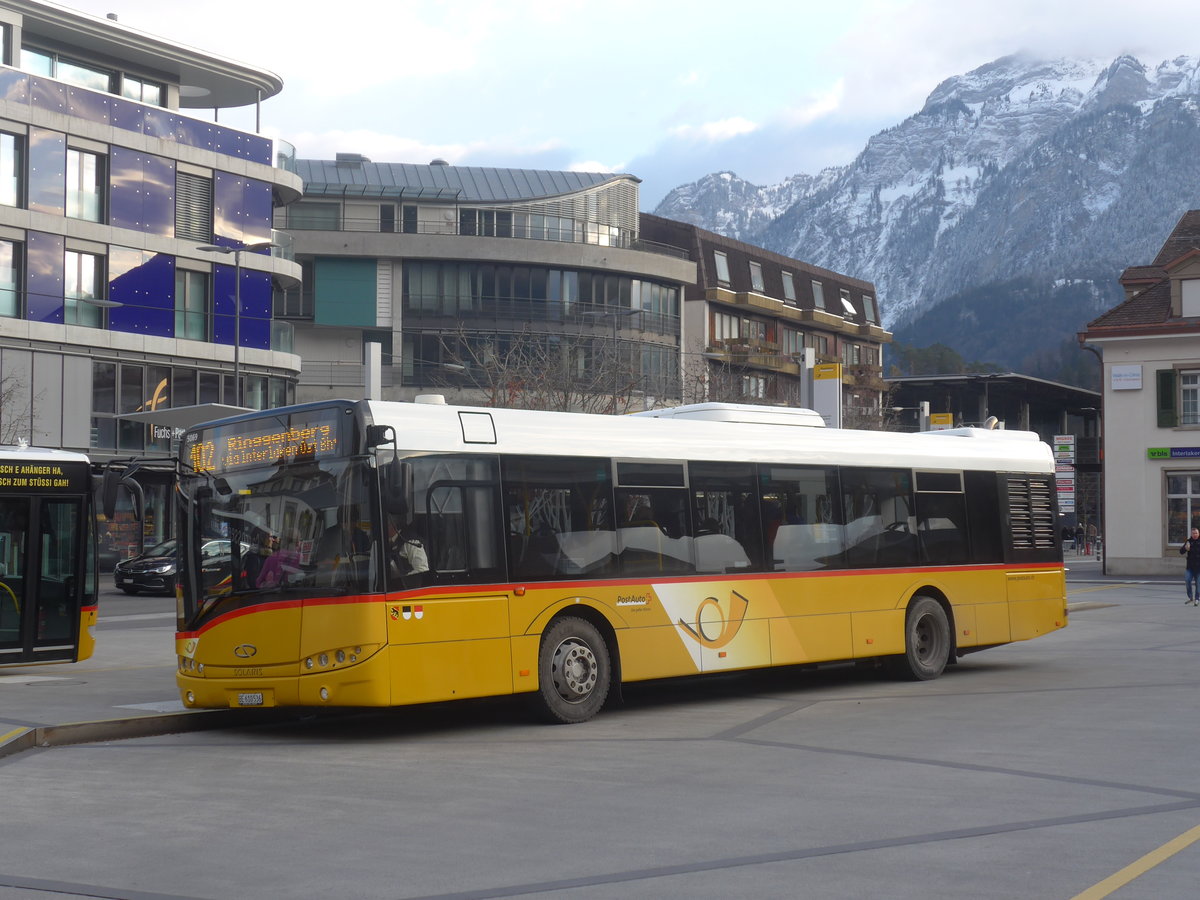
[{"x": 407, "y": 559}]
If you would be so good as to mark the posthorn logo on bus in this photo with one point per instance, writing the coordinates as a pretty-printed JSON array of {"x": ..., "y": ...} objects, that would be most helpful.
[
  {"x": 716, "y": 626},
  {"x": 244, "y": 651}
]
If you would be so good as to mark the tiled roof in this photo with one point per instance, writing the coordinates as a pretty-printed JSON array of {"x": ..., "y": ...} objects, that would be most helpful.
[
  {"x": 1149, "y": 307},
  {"x": 1184, "y": 236}
]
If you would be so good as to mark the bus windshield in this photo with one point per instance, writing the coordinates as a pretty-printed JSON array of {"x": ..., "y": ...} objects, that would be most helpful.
[{"x": 264, "y": 534}]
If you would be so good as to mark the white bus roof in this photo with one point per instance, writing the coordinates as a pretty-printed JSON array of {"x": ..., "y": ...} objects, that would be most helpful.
[
  {"x": 40, "y": 454},
  {"x": 426, "y": 427},
  {"x": 740, "y": 412}
]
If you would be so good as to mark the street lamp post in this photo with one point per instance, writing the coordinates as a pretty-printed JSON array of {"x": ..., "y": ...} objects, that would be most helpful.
[{"x": 237, "y": 304}]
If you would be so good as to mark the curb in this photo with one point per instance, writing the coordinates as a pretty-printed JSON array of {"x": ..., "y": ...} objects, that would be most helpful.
[{"x": 44, "y": 736}]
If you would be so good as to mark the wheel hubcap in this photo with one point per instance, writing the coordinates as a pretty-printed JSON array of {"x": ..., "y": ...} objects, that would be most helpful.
[{"x": 574, "y": 668}]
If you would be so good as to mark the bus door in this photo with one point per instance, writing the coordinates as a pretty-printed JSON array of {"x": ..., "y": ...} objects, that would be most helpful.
[{"x": 40, "y": 583}]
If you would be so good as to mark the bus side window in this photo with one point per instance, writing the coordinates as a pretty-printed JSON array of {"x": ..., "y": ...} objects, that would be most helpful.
[
  {"x": 558, "y": 517},
  {"x": 725, "y": 540},
  {"x": 880, "y": 526},
  {"x": 804, "y": 528}
]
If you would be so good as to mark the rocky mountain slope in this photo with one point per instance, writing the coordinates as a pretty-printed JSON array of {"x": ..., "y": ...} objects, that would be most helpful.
[{"x": 1043, "y": 175}]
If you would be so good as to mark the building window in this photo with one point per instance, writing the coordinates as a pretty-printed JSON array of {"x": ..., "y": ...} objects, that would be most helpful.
[
  {"x": 408, "y": 219},
  {"x": 792, "y": 343},
  {"x": 725, "y": 327},
  {"x": 848, "y": 309},
  {"x": 387, "y": 218},
  {"x": 191, "y": 305},
  {"x": 83, "y": 281},
  {"x": 44, "y": 62},
  {"x": 754, "y": 387},
  {"x": 10, "y": 279},
  {"x": 789, "y": 288},
  {"x": 85, "y": 185},
  {"x": 310, "y": 216},
  {"x": 1189, "y": 398},
  {"x": 143, "y": 91},
  {"x": 818, "y": 295},
  {"x": 869, "y": 309},
  {"x": 756, "y": 277},
  {"x": 193, "y": 207},
  {"x": 11, "y": 167},
  {"x": 721, "y": 261},
  {"x": 1183, "y": 505}
]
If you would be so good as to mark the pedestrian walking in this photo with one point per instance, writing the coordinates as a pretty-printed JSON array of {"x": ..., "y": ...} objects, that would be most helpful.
[{"x": 1191, "y": 579}]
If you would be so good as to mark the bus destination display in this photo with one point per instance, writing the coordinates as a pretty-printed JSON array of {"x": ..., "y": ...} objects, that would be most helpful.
[
  {"x": 227, "y": 448},
  {"x": 43, "y": 476}
]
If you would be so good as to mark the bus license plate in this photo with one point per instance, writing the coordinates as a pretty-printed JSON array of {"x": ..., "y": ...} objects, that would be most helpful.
[{"x": 250, "y": 699}]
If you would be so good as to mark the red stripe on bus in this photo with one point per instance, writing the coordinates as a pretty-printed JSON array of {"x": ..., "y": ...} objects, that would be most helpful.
[{"x": 464, "y": 590}]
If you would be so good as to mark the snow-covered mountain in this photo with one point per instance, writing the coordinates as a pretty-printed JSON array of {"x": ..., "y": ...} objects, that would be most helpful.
[{"x": 1047, "y": 173}]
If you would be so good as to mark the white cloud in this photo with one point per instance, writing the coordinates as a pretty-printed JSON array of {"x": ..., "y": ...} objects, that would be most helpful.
[
  {"x": 714, "y": 132},
  {"x": 816, "y": 107},
  {"x": 592, "y": 165}
]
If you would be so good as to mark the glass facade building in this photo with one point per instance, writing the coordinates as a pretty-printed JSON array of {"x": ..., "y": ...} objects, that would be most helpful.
[{"x": 108, "y": 188}]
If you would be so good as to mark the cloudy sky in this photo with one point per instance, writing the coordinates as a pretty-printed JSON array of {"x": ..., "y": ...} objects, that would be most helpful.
[{"x": 665, "y": 89}]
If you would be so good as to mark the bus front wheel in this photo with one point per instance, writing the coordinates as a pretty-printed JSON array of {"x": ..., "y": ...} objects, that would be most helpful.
[
  {"x": 574, "y": 671},
  {"x": 926, "y": 641}
]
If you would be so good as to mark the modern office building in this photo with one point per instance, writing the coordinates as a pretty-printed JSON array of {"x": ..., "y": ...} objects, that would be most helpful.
[
  {"x": 751, "y": 314},
  {"x": 109, "y": 192},
  {"x": 507, "y": 286}
]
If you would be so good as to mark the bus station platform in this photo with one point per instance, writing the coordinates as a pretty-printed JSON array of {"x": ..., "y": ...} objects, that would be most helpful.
[{"x": 127, "y": 689}]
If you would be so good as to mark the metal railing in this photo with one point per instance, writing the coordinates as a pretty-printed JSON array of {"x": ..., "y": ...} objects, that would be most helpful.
[
  {"x": 590, "y": 317},
  {"x": 297, "y": 220}
]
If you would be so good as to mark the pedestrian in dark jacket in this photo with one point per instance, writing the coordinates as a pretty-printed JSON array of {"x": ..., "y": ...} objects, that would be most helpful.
[{"x": 1191, "y": 579}]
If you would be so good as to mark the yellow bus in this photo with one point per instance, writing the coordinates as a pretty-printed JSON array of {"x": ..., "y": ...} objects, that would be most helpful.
[
  {"x": 407, "y": 553},
  {"x": 48, "y": 577}
]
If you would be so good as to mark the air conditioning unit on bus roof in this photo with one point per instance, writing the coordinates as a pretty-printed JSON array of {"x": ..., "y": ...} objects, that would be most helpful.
[{"x": 740, "y": 412}]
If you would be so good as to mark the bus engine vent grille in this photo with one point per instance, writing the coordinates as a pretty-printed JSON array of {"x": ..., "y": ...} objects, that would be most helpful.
[{"x": 1031, "y": 512}]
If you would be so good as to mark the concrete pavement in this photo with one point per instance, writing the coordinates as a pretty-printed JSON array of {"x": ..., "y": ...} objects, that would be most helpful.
[{"x": 128, "y": 687}]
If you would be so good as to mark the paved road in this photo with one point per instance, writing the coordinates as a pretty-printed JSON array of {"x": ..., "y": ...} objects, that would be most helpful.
[{"x": 1038, "y": 770}]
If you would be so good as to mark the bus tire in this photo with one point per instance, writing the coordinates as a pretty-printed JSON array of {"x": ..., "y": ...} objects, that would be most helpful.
[
  {"x": 574, "y": 671},
  {"x": 926, "y": 641}
]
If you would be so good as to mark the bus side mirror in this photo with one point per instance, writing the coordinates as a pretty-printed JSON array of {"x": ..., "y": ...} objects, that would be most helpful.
[
  {"x": 398, "y": 489},
  {"x": 111, "y": 482},
  {"x": 108, "y": 492}
]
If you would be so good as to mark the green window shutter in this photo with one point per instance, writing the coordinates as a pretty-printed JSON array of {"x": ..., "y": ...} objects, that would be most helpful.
[
  {"x": 1168, "y": 417},
  {"x": 344, "y": 292}
]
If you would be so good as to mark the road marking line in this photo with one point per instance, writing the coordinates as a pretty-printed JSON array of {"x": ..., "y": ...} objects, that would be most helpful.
[
  {"x": 16, "y": 732},
  {"x": 1140, "y": 867},
  {"x": 1107, "y": 587}
]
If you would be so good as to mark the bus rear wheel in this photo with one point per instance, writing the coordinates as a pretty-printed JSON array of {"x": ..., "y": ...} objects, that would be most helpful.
[
  {"x": 926, "y": 641},
  {"x": 574, "y": 671}
]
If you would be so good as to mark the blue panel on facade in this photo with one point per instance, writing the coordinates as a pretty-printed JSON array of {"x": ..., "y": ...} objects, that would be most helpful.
[
  {"x": 48, "y": 95},
  {"x": 125, "y": 114},
  {"x": 141, "y": 191},
  {"x": 256, "y": 310},
  {"x": 158, "y": 212},
  {"x": 47, "y": 171},
  {"x": 241, "y": 210},
  {"x": 255, "y": 326},
  {"x": 223, "y": 323},
  {"x": 14, "y": 86},
  {"x": 88, "y": 105},
  {"x": 44, "y": 260},
  {"x": 145, "y": 283}
]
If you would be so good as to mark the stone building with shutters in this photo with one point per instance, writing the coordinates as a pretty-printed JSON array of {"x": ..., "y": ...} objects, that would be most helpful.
[{"x": 1150, "y": 346}]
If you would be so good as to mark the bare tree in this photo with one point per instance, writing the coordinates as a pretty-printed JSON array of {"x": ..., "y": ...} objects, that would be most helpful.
[
  {"x": 16, "y": 408},
  {"x": 533, "y": 369}
]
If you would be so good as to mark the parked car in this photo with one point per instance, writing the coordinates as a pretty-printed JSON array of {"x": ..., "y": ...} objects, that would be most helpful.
[{"x": 154, "y": 571}]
